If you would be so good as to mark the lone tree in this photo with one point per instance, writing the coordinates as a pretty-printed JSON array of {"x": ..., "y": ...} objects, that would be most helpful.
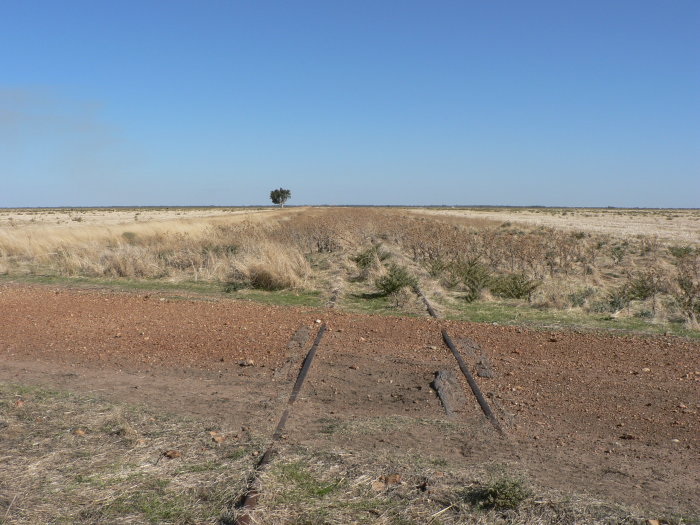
[{"x": 280, "y": 196}]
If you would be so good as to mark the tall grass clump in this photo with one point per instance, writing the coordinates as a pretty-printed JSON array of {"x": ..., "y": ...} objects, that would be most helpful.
[{"x": 269, "y": 266}]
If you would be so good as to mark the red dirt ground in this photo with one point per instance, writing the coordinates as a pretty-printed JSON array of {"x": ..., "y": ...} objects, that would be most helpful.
[{"x": 614, "y": 417}]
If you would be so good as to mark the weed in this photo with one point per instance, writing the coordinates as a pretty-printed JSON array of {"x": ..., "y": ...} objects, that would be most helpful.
[
  {"x": 579, "y": 297},
  {"x": 513, "y": 286},
  {"x": 680, "y": 252},
  {"x": 371, "y": 257},
  {"x": 501, "y": 493},
  {"x": 475, "y": 277},
  {"x": 397, "y": 277}
]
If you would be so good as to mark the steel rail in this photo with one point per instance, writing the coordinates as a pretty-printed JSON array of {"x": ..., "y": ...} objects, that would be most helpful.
[
  {"x": 463, "y": 366},
  {"x": 250, "y": 499},
  {"x": 472, "y": 382}
]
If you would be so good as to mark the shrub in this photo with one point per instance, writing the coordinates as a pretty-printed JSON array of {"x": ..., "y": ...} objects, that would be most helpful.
[
  {"x": 396, "y": 278},
  {"x": 371, "y": 257},
  {"x": 679, "y": 252},
  {"x": 618, "y": 252},
  {"x": 618, "y": 298},
  {"x": 501, "y": 493},
  {"x": 130, "y": 237},
  {"x": 475, "y": 277},
  {"x": 688, "y": 294},
  {"x": 643, "y": 286},
  {"x": 579, "y": 297},
  {"x": 513, "y": 286}
]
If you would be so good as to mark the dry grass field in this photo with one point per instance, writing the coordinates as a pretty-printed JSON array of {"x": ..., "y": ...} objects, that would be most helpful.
[
  {"x": 676, "y": 226},
  {"x": 627, "y": 269}
]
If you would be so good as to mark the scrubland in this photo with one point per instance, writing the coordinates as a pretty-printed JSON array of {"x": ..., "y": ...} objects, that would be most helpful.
[{"x": 498, "y": 265}]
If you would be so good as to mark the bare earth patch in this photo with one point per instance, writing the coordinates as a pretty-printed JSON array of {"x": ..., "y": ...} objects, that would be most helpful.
[{"x": 610, "y": 420}]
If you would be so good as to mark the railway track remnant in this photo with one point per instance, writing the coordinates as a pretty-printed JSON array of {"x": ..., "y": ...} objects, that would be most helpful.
[
  {"x": 250, "y": 499},
  {"x": 463, "y": 366}
]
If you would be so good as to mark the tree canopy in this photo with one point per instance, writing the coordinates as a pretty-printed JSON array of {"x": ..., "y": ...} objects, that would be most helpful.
[{"x": 280, "y": 196}]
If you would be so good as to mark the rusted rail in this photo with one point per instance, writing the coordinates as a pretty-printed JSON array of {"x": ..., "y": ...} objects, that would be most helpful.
[
  {"x": 472, "y": 383},
  {"x": 463, "y": 367},
  {"x": 250, "y": 499}
]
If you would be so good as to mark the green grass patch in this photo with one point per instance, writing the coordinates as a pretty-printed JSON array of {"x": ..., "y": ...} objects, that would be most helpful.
[
  {"x": 512, "y": 313},
  {"x": 205, "y": 288}
]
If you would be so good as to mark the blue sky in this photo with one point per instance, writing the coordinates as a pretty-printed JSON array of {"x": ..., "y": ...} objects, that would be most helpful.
[{"x": 574, "y": 103}]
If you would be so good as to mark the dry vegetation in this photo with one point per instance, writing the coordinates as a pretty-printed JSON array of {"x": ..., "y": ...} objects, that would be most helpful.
[
  {"x": 376, "y": 254},
  {"x": 85, "y": 460}
]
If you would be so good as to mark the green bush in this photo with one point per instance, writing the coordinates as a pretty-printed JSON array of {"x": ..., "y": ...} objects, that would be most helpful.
[
  {"x": 679, "y": 252},
  {"x": 618, "y": 298},
  {"x": 475, "y": 277},
  {"x": 578, "y": 298},
  {"x": 502, "y": 493},
  {"x": 396, "y": 278},
  {"x": 513, "y": 286},
  {"x": 370, "y": 257}
]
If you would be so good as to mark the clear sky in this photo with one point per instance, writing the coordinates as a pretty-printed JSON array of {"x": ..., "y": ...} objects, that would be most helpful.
[{"x": 171, "y": 102}]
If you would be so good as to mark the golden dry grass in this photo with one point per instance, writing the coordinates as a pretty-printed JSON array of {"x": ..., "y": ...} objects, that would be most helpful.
[
  {"x": 572, "y": 266},
  {"x": 671, "y": 225}
]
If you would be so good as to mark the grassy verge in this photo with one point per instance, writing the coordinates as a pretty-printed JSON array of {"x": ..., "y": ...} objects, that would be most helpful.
[
  {"x": 501, "y": 312},
  {"x": 513, "y": 313},
  {"x": 76, "y": 459},
  {"x": 204, "y": 288}
]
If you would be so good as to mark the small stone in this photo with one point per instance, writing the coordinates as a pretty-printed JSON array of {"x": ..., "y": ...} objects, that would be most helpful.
[
  {"x": 78, "y": 432},
  {"x": 646, "y": 369},
  {"x": 353, "y": 367},
  {"x": 318, "y": 321},
  {"x": 378, "y": 486},
  {"x": 675, "y": 441}
]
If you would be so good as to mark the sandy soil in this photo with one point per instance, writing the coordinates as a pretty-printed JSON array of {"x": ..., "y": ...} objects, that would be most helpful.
[{"x": 613, "y": 417}]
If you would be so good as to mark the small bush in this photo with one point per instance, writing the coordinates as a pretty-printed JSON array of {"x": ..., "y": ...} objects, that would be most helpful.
[
  {"x": 680, "y": 252},
  {"x": 371, "y": 257},
  {"x": 618, "y": 252},
  {"x": 501, "y": 493},
  {"x": 396, "y": 278},
  {"x": 618, "y": 298},
  {"x": 130, "y": 237},
  {"x": 579, "y": 297},
  {"x": 643, "y": 286},
  {"x": 513, "y": 286},
  {"x": 475, "y": 277}
]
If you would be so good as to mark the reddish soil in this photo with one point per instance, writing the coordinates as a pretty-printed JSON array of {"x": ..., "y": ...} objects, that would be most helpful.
[{"x": 614, "y": 417}]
